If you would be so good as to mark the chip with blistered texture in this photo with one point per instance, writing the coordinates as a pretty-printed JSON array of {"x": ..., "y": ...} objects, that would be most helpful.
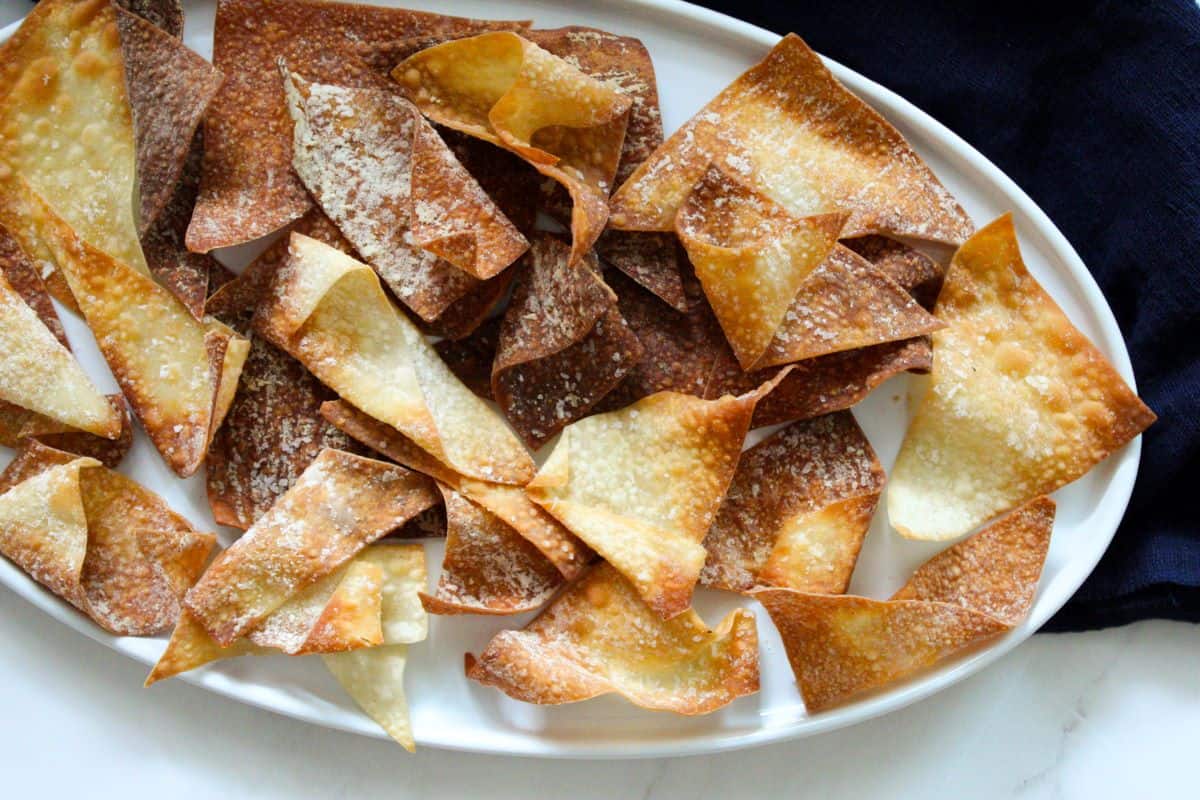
[
  {"x": 99, "y": 540},
  {"x": 600, "y": 637},
  {"x": 562, "y": 346},
  {"x": 1019, "y": 402},
  {"x": 248, "y": 188},
  {"x": 789, "y": 129},
  {"x": 330, "y": 312},
  {"x": 504, "y": 89},
  {"x": 797, "y": 510},
  {"x": 917, "y": 273}
]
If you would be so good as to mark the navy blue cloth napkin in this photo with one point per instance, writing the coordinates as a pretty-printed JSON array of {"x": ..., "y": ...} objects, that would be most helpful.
[{"x": 1094, "y": 109}]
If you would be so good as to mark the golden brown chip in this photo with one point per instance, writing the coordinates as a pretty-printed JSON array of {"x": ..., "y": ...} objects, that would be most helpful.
[
  {"x": 1018, "y": 404},
  {"x": 504, "y": 89},
  {"x": 18, "y": 424},
  {"x": 917, "y": 273},
  {"x": 330, "y": 312},
  {"x": 383, "y": 175},
  {"x": 642, "y": 486},
  {"x": 599, "y": 636},
  {"x": 339, "y": 505},
  {"x": 797, "y": 510},
  {"x": 248, "y": 189},
  {"x": 489, "y": 568},
  {"x": 563, "y": 344},
  {"x": 103, "y": 543}
]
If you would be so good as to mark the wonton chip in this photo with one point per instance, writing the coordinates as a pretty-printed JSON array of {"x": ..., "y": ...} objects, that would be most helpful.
[
  {"x": 18, "y": 424},
  {"x": 1018, "y": 404},
  {"x": 471, "y": 358},
  {"x": 642, "y": 485},
  {"x": 23, "y": 277},
  {"x": 489, "y": 568},
  {"x": 330, "y": 312},
  {"x": 504, "y": 89},
  {"x": 383, "y": 175},
  {"x": 249, "y": 189},
  {"x": 600, "y": 637},
  {"x": 563, "y": 344},
  {"x": 917, "y": 273},
  {"x": 788, "y": 129},
  {"x": 165, "y": 14},
  {"x": 797, "y": 510},
  {"x": 97, "y": 539}
]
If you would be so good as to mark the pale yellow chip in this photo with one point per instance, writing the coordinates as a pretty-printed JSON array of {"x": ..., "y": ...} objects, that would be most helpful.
[
  {"x": 38, "y": 374},
  {"x": 789, "y": 129},
  {"x": 1019, "y": 402},
  {"x": 330, "y": 312},
  {"x": 599, "y": 636}
]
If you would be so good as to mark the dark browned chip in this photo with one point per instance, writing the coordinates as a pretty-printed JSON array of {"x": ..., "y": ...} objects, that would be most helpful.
[
  {"x": 919, "y": 274},
  {"x": 508, "y": 180},
  {"x": 165, "y": 14},
  {"x": 464, "y": 316},
  {"x": 22, "y": 275},
  {"x": 471, "y": 358},
  {"x": 652, "y": 259}
]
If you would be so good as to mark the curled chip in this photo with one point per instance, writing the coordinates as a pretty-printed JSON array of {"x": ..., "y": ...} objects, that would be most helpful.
[
  {"x": 504, "y": 89},
  {"x": 397, "y": 193},
  {"x": 563, "y": 344},
  {"x": 489, "y": 568},
  {"x": 840, "y": 646},
  {"x": 18, "y": 424},
  {"x": 642, "y": 485},
  {"x": 1018, "y": 404},
  {"x": 330, "y": 312},
  {"x": 751, "y": 256},
  {"x": 789, "y": 129},
  {"x": 339, "y": 505},
  {"x": 178, "y": 374},
  {"x": 248, "y": 188},
  {"x": 599, "y": 636},
  {"x": 97, "y": 539},
  {"x": 797, "y": 510}
]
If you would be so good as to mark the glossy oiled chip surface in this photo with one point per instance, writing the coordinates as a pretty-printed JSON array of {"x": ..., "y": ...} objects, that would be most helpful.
[
  {"x": 599, "y": 637},
  {"x": 1018, "y": 404}
]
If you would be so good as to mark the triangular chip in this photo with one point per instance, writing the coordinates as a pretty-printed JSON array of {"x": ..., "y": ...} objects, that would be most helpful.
[
  {"x": 504, "y": 89},
  {"x": 917, "y": 273},
  {"x": 383, "y": 175},
  {"x": 797, "y": 510},
  {"x": 563, "y": 344},
  {"x": 642, "y": 485},
  {"x": 599, "y": 637},
  {"x": 23, "y": 277},
  {"x": 94, "y": 537},
  {"x": 339, "y": 505},
  {"x": 330, "y": 312},
  {"x": 751, "y": 257},
  {"x": 789, "y": 129},
  {"x": 489, "y": 568},
  {"x": 165, "y": 14},
  {"x": 1018, "y": 404},
  {"x": 248, "y": 189}
]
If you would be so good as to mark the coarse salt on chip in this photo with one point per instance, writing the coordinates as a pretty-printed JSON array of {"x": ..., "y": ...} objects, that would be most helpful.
[
  {"x": 797, "y": 510},
  {"x": 504, "y": 89},
  {"x": 164, "y": 14},
  {"x": 642, "y": 485},
  {"x": 397, "y": 193},
  {"x": 599, "y": 637},
  {"x": 102, "y": 542},
  {"x": 563, "y": 344},
  {"x": 788, "y": 129},
  {"x": 330, "y": 312},
  {"x": 1019, "y": 402}
]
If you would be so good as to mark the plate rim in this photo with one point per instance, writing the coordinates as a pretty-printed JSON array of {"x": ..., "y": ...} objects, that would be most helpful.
[{"x": 967, "y": 159}]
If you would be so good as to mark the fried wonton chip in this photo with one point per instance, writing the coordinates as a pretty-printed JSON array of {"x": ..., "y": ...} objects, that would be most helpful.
[
  {"x": 504, "y": 89},
  {"x": 508, "y": 503},
  {"x": 471, "y": 358},
  {"x": 917, "y": 273},
  {"x": 339, "y": 505},
  {"x": 389, "y": 182},
  {"x": 103, "y": 543},
  {"x": 18, "y": 424},
  {"x": 797, "y": 510},
  {"x": 840, "y": 646},
  {"x": 788, "y": 129},
  {"x": 1018, "y": 404},
  {"x": 248, "y": 189},
  {"x": 489, "y": 568},
  {"x": 751, "y": 256},
  {"x": 178, "y": 374},
  {"x": 165, "y": 14},
  {"x": 23, "y": 277},
  {"x": 642, "y": 485},
  {"x": 330, "y": 312},
  {"x": 563, "y": 344},
  {"x": 600, "y": 637}
]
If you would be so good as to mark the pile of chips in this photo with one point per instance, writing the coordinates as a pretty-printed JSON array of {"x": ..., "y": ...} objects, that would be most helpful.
[{"x": 488, "y": 249}]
